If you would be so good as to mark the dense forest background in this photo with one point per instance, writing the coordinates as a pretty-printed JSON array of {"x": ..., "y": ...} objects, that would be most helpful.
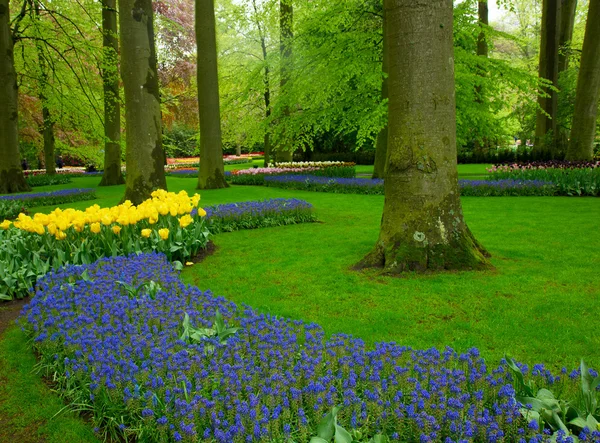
[{"x": 331, "y": 107}]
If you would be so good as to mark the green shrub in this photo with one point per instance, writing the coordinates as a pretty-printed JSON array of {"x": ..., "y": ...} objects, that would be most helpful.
[
  {"x": 9, "y": 210},
  {"x": 47, "y": 180}
]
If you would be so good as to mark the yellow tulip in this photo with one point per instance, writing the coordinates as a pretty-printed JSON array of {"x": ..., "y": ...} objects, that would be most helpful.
[
  {"x": 146, "y": 233},
  {"x": 60, "y": 235},
  {"x": 106, "y": 220},
  {"x": 95, "y": 228},
  {"x": 189, "y": 263},
  {"x": 116, "y": 229},
  {"x": 185, "y": 221},
  {"x": 152, "y": 220},
  {"x": 201, "y": 212},
  {"x": 39, "y": 229},
  {"x": 52, "y": 228},
  {"x": 164, "y": 233},
  {"x": 5, "y": 224}
]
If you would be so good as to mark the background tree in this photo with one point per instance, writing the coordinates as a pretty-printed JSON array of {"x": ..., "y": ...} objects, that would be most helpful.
[
  {"x": 11, "y": 173},
  {"x": 212, "y": 173},
  {"x": 145, "y": 157},
  {"x": 422, "y": 227},
  {"x": 588, "y": 90},
  {"x": 112, "y": 174},
  {"x": 546, "y": 128},
  {"x": 381, "y": 146},
  {"x": 286, "y": 30}
]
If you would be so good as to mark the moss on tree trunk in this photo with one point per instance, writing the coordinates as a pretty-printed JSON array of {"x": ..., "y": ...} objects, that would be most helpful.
[
  {"x": 212, "y": 171},
  {"x": 286, "y": 36},
  {"x": 145, "y": 157},
  {"x": 583, "y": 130},
  {"x": 112, "y": 107},
  {"x": 422, "y": 227},
  {"x": 11, "y": 174}
]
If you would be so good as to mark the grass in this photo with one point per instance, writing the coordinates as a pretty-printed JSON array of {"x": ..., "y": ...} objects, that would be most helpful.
[
  {"x": 540, "y": 304},
  {"x": 28, "y": 407}
]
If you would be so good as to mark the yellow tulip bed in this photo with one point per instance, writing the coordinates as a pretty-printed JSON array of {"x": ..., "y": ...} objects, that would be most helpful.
[{"x": 31, "y": 246}]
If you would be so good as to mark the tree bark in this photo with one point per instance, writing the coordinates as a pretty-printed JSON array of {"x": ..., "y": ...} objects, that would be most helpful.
[
  {"x": 567, "y": 23},
  {"x": 11, "y": 173},
  {"x": 286, "y": 35},
  {"x": 422, "y": 227},
  {"x": 47, "y": 126},
  {"x": 381, "y": 147},
  {"x": 145, "y": 156},
  {"x": 212, "y": 172},
  {"x": 481, "y": 147},
  {"x": 583, "y": 130},
  {"x": 112, "y": 107},
  {"x": 545, "y": 126}
]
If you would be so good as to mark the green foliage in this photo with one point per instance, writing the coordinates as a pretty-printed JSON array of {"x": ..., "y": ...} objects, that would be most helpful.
[
  {"x": 10, "y": 209},
  {"x": 47, "y": 180},
  {"x": 180, "y": 141},
  {"x": 218, "y": 332}
]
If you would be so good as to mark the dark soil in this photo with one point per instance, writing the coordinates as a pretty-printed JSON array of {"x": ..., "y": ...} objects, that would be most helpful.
[
  {"x": 9, "y": 311},
  {"x": 210, "y": 249}
]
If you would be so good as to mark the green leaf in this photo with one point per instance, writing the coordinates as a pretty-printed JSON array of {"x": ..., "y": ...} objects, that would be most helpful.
[
  {"x": 177, "y": 265},
  {"x": 341, "y": 435},
  {"x": 318, "y": 440},
  {"x": 5, "y": 297},
  {"x": 326, "y": 427}
]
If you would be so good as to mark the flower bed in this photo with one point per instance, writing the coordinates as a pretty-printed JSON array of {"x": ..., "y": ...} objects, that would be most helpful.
[
  {"x": 477, "y": 188},
  {"x": 256, "y": 176},
  {"x": 47, "y": 180},
  {"x": 52, "y": 197},
  {"x": 258, "y": 214},
  {"x": 155, "y": 360},
  {"x": 31, "y": 246},
  {"x": 327, "y": 184},
  {"x": 570, "y": 178}
]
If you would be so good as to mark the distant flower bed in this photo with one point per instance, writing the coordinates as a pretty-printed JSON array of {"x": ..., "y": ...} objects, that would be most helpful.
[
  {"x": 507, "y": 187},
  {"x": 52, "y": 197},
  {"x": 326, "y": 184},
  {"x": 47, "y": 180},
  {"x": 256, "y": 176},
  {"x": 157, "y": 360},
  {"x": 75, "y": 170},
  {"x": 570, "y": 178},
  {"x": 258, "y": 214},
  {"x": 319, "y": 165},
  {"x": 183, "y": 172}
]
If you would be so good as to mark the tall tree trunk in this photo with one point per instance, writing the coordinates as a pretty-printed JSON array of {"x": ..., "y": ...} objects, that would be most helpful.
[
  {"x": 47, "y": 126},
  {"x": 267, "y": 90},
  {"x": 545, "y": 124},
  {"x": 286, "y": 35},
  {"x": 422, "y": 228},
  {"x": 583, "y": 130},
  {"x": 112, "y": 107},
  {"x": 381, "y": 147},
  {"x": 212, "y": 172},
  {"x": 567, "y": 23},
  {"x": 145, "y": 157},
  {"x": 481, "y": 147},
  {"x": 11, "y": 173}
]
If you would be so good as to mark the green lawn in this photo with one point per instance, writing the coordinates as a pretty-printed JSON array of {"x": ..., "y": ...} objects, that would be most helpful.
[{"x": 540, "y": 304}]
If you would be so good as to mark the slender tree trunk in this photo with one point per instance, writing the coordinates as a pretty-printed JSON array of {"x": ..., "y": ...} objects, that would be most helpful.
[
  {"x": 286, "y": 30},
  {"x": 583, "y": 130},
  {"x": 47, "y": 126},
  {"x": 145, "y": 156},
  {"x": 112, "y": 107},
  {"x": 381, "y": 147},
  {"x": 567, "y": 23},
  {"x": 545, "y": 126},
  {"x": 212, "y": 172},
  {"x": 481, "y": 147},
  {"x": 422, "y": 227},
  {"x": 11, "y": 173}
]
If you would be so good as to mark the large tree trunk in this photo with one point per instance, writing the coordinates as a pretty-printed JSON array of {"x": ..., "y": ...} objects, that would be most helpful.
[
  {"x": 545, "y": 124},
  {"x": 145, "y": 157},
  {"x": 212, "y": 172},
  {"x": 381, "y": 147},
  {"x": 422, "y": 227},
  {"x": 583, "y": 130},
  {"x": 11, "y": 173},
  {"x": 112, "y": 107},
  {"x": 47, "y": 126},
  {"x": 286, "y": 35}
]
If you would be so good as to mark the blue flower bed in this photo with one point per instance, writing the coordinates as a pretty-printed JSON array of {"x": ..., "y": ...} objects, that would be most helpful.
[
  {"x": 326, "y": 184},
  {"x": 507, "y": 187},
  {"x": 114, "y": 342},
  {"x": 475, "y": 188},
  {"x": 257, "y": 214},
  {"x": 52, "y": 197}
]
